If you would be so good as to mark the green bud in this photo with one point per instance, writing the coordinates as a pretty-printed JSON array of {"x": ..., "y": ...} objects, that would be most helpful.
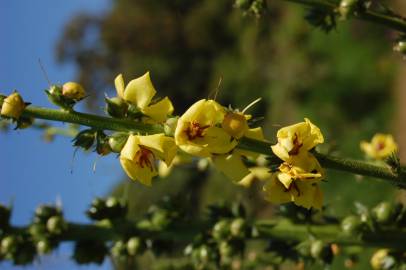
[
  {"x": 56, "y": 97},
  {"x": 102, "y": 143},
  {"x": 346, "y": 8},
  {"x": 117, "y": 141},
  {"x": 9, "y": 245},
  {"x": 351, "y": 225},
  {"x": 384, "y": 213},
  {"x": 119, "y": 250},
  {"x": 170, "y": 126},
  {"x": 160, "y": 219},
  {"x": 24, "y": 122},
  {"x": 321, "y": 251},
  {"x": 134, "y": 112},
  {"x": 116, "y": 107},
  {"x": 238, "y": 228},
  {"x": 243, "y": 4},
  {"x": 135, "y": 246},
  {"x": 43, "y": 246},
  {"x": 44, "y": 212},
  {"x": 400, "y": 47},
  {"x": 56, "y": 225},
  {"x": 226, "y": 250},
  {"x": 303, "y": 248},
  {"x": 221, "y": 230},
  {"x": 85, "y": 139},
  {"x": 37, "y": 230}
]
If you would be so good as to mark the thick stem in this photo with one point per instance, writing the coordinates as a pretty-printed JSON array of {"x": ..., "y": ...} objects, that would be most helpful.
[
  {"x": 393, "y": 22},
  {"x": 108, "y": 123}
]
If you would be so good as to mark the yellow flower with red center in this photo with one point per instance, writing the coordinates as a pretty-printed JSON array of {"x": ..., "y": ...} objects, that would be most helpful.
[
  {"x": 297, "y": 138},
  {"x": 380, "y": 147},
  {"x": 140, "y": 155},
  {"x": 140, "y": 92},
  {"x": 198, "y": 131},
  {"x": 303, "y": 167},
  {"x": 303, "y": 193},
  {"x": 13, "y": 106}
]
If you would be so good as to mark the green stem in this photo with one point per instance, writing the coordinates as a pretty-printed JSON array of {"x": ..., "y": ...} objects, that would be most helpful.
[
  {"x": 108, "y": 123},
  {"x": 394, "y": 22}
]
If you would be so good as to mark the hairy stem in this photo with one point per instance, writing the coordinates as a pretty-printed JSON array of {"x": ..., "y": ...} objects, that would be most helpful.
[
  {"x": 108, "y": 123},
  {"x": 391, "y": 21}
]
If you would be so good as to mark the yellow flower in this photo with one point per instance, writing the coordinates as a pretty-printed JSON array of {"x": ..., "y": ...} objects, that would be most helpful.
[
  {"x": 198, "y": 132},
  {"x": 303, "y": 167},
  {"x": 297, "y": 138},
  {"x": 302, "y": 193},
  {"x": 13, "y": 106},
  {"x": 140, "y": 154},
  {"x": 380, "y": 147},
  {"x": 164, "y": 170},
  {"x": 140, "y": 92},
  {"x": 232, "y": 165},
  {"x": 235, "y": 124},
  {"x": 73, "y": 90}
]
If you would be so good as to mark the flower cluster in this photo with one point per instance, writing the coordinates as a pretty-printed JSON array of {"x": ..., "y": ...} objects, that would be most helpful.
[{"x": 298, "y": 177}]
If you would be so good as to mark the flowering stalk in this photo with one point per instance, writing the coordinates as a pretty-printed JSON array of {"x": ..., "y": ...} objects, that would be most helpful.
[
  {"x": 394, "y": 22},
  {"x": 108, "y": 123}
]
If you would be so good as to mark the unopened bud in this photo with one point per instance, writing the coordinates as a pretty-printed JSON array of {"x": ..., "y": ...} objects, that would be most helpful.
[
  {"x": 235, "y": 124},
  {"x": 73, "y": 90},
  {"x": 43, "y": 246},
  {"x": 221, "y": 230},
  {"x": 44, "y": 212},
  {"x": 381, "y": 260},
  {"x": 384, "y": 213},
  {"x": 238, "y": 228},
  {"x": 351, "y": 225},
  {"x": 116, "y": 107},
  {"x": 400, "y": 46},
  {"x": 9, "y": 245},
  {"x": 56, "y": 225},
  {"x": 85, "y": 139},
  {"x": 117, "y": 141},
  {"x": 346, "y": 8},
  {"x": 13, "y": 106},
  {"x": 135, "y": 246},
  {"x": 170, "y": 126}
]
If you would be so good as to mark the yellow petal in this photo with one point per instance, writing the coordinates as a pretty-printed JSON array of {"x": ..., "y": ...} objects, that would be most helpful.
[
  {"x": 285, "y": 179},
  {"x": 140, "y": 91},
  {"x": 204, "y": 112},
  {"x": 275, "y": 192},
  {"x": 235, "y": 124},
  {"x": 310, "y": 195},
  {"x": 130, "y": 148},
  {"x": 257, "y": 173},
  {"x": 120, "y": 85},
  {"x": 161, "y": 145},
  {"x": 135, "y": 172},
  {"x": 231, "y": 166},
  {"x": 217, "y": 141},
  {"x": 160, "y": 110}
]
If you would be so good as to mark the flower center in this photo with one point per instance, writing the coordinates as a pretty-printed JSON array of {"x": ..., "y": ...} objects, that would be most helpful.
[
  {"x": 296, "y": 146},
  {"x": 195, "y": 130},
  {"x": 380, "y": 146},
  {"x": 145, "y": 157}
]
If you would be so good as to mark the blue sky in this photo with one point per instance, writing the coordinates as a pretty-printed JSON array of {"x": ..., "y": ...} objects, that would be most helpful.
[{"x": 32, "y": 171}]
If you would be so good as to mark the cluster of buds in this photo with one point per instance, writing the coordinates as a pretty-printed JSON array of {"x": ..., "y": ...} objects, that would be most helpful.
[
  {"x": 223, "y": 244},
  {"x": 107, "y": 209},
  {"x": 251, "y": 7}
]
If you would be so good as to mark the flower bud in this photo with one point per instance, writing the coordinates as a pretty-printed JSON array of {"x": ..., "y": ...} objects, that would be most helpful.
[
  {"x": 221, "y": 230},
  {"x": 384, "y": 213},
  {"x": 351, "y": 225},
  {"x": 85, "y": 139},
  {"x": 37, "y": 230},
  {"x": 116, "y": 107},
  {"x": 400, "y": 46},
  {"x": 56, "y": 225},
  {"x": 320, "y": 250},
  {"x": 119, "y": 250},
  {"x": 238, "y": 228},
  {"x": 170, "y": 126},
  {"x": 135, "y": 246},
  {"x": 44, "y": 212},
  {"x": 346, "y": 8},
  {"x": 117, "y": 141},
  {"x": 102, "y": 144},
  {"x": 24, "y": 122},
  {"x": 9, "y": 245},
  {"x": 235, "y": 124},
  {"x": 13, "y": 106},
  {"x": 43, "y": 246},
  {"x": 73, "y": 90}
]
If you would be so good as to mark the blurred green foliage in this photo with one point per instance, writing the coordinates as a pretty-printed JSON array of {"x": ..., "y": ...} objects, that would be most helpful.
[{"x": 341, "y": 80}]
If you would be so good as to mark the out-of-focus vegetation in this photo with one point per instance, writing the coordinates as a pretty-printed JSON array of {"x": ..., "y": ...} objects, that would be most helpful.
[{"x": 342, "y": 81}]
